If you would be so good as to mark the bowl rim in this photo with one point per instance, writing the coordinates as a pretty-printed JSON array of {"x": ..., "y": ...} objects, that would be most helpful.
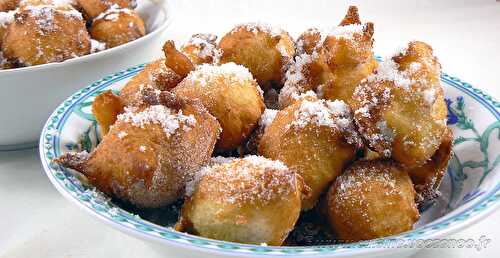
[
  {"x": 166, "y": 7},
  {"x": 138, "y": 227}
]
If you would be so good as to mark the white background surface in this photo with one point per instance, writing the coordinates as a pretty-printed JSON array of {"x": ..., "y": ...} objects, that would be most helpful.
[{"x": 35, "y": 220}]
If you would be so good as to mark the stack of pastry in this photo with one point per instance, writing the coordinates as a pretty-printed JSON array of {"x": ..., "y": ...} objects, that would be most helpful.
[{"x": 255, "y": 128}]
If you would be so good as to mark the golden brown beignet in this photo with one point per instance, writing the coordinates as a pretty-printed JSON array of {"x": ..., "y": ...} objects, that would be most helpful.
[
  {"x": 264, "y": 50},
  {"x": 331, "y": 63},
  {"x": 316, "y": 139},
  {"x": 117, "y": 26},
  {"x": 371, "y": 199},
  {"x": 230, "y": 93},
  {"x": 251, "y": 200},
  {"x": 150, "y": 152},
  {"x": 44, "y": 34},
  {"x": 400, "y": 109}
]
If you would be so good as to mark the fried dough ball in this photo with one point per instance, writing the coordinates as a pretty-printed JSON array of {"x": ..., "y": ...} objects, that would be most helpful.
[
  {"x": 8, "y": 5},
  {"x": 106, "y": 107},
  {"x": 427, "y": 178},
  {"x": 155, "y": 76},
  {"x": 251, "y": 200},
  {"x": 265, "y": 51},
  {"x": 230, "y": 93},
  {"x": 371, "y": 199},
  {"x": 150, "y": 152},
  {"x": 331, "y": 63},
  {"x": 117, "y": 26},
  {"x": 202, "y": 49},
  {"x": 316, "y": 139},
  {"x": 45, "y": 34},
  {"x": 92, "y": 8},
  {"x": 400, "y": 110}
]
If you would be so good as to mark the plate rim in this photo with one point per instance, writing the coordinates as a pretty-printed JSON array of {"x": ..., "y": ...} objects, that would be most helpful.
[{"x": 145, "y": 229}]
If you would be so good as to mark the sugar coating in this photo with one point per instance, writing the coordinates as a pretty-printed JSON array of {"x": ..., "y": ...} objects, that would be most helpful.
[
  {"x": 96, "y": 46},
  {"x": 6, "y": 18},
  {"x": 295, "y": 77},
  {"x": 113, "y": 13},
  {"x": 167, "y": 118},
  {"x": 204, "y": 46},
  {"x": 121, "y": 134},
  {"x": 388, "y": 70},
  {"x": 346, "y": 31},
  {"x": 334, "y": 114},
  {"x": 252, "y": 179},
  {"x": 255, "y": 27},
  {"x": 44, "y": 14},
  {"x": 232, "y": 73},
  {"x": 267, "y": 117},
  {"x": 358, "y": 180}
]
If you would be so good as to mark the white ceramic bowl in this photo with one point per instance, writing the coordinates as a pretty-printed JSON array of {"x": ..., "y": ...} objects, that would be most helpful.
[
  {"x": 29, "y": 94},
  {"x": 470, "y": 189}
]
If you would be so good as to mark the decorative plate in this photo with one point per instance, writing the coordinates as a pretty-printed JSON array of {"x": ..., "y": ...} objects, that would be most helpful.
[{"x": 470, "y": 189}]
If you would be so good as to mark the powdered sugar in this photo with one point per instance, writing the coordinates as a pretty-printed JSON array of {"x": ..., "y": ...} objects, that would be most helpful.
[
  {"x": 205, "y": 46},
  {"x": 320, "y": 112},
  {"x": 6, "y": 18},
  {"x": 211, "y": 74},
  {"x": 113, "y": 13},
  {"x": 247, "y": 180},
  {"x": 268, "y": 117},
  {"x": 96, "y": 46},
  {"x": 121, "y": 134},
  {"x": 388, "y": 71},
  {"x": 346, "y": 31},
  {"x": 255, "y": 27},
  {"x": 429, "y": 96},
  {"x": 169, "y": 120}
]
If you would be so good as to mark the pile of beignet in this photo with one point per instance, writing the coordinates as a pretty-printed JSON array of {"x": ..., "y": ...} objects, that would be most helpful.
[
  {"x": 256, "y": 128},
  {"x": 34, "y": 32}
]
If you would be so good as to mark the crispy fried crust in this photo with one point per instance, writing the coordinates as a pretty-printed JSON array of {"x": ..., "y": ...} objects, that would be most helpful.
[
  {"x": 28, "y": 41},
  {"x": 317, "y": 153},
  {"x": 105, "y": 108},
  {"x": 8, "y": 5},
  {"x": 144, "y": 165},
  {"x": 371, "y": 199},
  {"x": 176, "y": 60},
  {"x": 403, "y": 118},
  {"x": 239, "y": 202},
  {"x": 123, "y": 28},
  {"x": 237, "y": 105},
  {"x": 202, "y": 48},
  {"x": 333, "y": 64},
  {"x": 427, "y": 178},
  {"x": 266, "y": 54},
  {"x": 92, "y": 8},
  {"x": 155, "y": 76}
]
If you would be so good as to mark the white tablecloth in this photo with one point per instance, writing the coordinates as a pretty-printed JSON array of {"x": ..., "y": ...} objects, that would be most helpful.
[{"x": 35, "y": 220}]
